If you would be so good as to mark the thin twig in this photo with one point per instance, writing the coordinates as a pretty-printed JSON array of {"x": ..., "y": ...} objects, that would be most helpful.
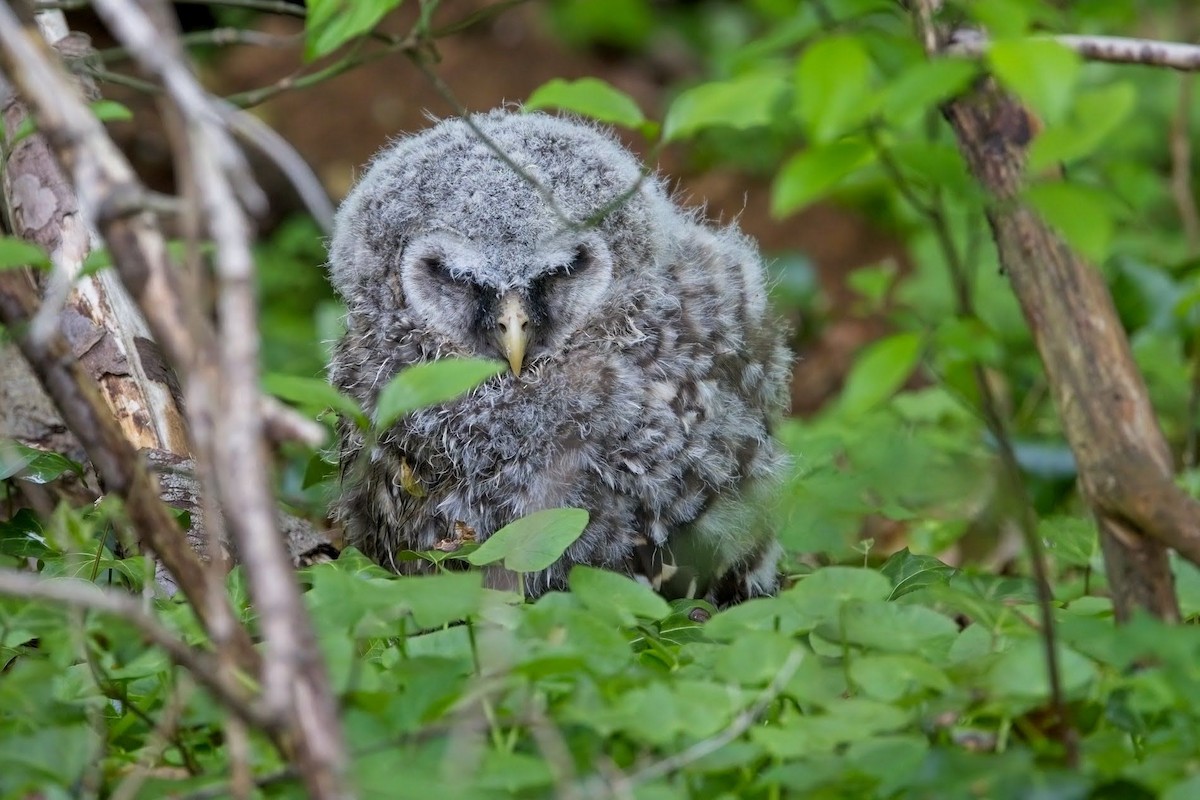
[
  {"x": 294, "y": 679},
  {"x": 90, "y": 597},
  {"x": 1113, "y": 49},
  {"x": 706, "y": 747},
  {"x": 1013, "y": 485}
]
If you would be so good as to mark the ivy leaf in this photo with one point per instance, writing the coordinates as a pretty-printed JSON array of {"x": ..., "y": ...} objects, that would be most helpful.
[
  {"x": 16, "y": 253},
  {"x": 33, "y": 465},
  {"x": 591, "y": 97},
  {"x": 534, "y": 541},
  {"x": 332, "y": 23},
  {"x": 909, "y": 572},
  {"x": 741, "y": 103},
  {"x": 428, "y": 384}
]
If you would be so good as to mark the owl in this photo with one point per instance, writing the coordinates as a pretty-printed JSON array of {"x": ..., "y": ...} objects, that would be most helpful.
[{"x": 645, "y": 370}]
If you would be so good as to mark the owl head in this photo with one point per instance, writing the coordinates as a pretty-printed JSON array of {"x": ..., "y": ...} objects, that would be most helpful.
[{"x": 502, "y": 236}]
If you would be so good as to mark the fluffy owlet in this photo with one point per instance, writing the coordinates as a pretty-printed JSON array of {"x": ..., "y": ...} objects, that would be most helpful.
[{"x": 646, "y": 370}]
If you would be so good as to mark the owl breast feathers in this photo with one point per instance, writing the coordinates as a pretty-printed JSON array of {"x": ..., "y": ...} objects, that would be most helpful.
[{"x": 646, "y": 370}]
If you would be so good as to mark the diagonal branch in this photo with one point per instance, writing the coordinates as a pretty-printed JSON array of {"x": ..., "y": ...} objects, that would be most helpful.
[
  {"x": 1113, "y": 49},
  {"x": 1125, "y": 468}
]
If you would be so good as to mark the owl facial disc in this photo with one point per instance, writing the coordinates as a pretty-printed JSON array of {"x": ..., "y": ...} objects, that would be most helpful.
[{"x": 512, "y": 330}]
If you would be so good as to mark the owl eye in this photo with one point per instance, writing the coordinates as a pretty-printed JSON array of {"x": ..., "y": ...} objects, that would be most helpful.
[
  {"x": 438, "y": 268},
  {"x": 579, "y": 261}
]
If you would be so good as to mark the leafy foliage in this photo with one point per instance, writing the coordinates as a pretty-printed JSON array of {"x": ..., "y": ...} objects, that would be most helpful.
[{"x": 898, "y": 662}]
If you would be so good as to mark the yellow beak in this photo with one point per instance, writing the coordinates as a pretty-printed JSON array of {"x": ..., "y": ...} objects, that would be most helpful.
[{"x": 512, "y": 330}]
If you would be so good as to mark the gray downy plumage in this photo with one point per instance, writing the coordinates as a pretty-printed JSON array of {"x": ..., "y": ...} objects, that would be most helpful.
[{"x": 652, "y": 369}]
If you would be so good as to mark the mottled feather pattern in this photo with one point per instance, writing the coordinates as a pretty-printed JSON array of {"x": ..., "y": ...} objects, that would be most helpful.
[{"x": 651, "y": 386}]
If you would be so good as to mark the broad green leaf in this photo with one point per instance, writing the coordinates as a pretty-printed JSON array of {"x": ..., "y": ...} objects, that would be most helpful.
[
  {"x": 431, "y": 383},
  {"x": 591, "y": 97},
  {"x": 822, "y": 594},
  {"x": 891, "y": 627},
  {"x": 1070, "y": 541},
  {"x": 364, "y": 605},
  {"x": 909, "y": 572},
  {"x": 894, "y": 677},
  {"x": 1096, "y": 114},
  {"x": 16, "y": 253},
  {"x": 22, "y": 536},
  {"x": 312, "y": 394},
  {"x": 1041, "y": 72},
  {"x": 833, "y": 87},
  {"x": 845, "y": 721},
  {"x": 33, "y": 465},
  {"x": 923, "y": 86},
  {"x": 878, "y": 372},
  {"x": 1081, "y": 215},
  {"x": 534, "y": 541},
  {"x": 332, "y": 23},
  {"x": 810, "y": 174},
  {"x": 745, "y": 102},
  {"x": 1020, "y": 672},
  {"x": 612, "y": 594}
]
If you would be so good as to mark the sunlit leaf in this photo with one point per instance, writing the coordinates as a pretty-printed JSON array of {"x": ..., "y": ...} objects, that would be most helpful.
[
  {"x": 610, "y": 593},
  {"x": 745, "y": 102},
  {"x": 332, "y": 23},
  {"x": 431, "y": 383},
  {"x": 591, "y": 97},
  {"x": 879, "y": 371},
  {"x": 833, "y": 87},
  {"x": 812, "y": 173},
  {"x": 534, "y": 541},
  {"x": 1041, "y": 72},
  {"x": 312, "y": 394}
]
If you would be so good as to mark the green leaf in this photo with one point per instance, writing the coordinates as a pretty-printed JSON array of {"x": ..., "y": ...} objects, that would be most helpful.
[
  {"x": 909, "y": 572},
  {"x": 22, "y": 536},
  {"x": 895, "y": 677},
  {"x": 1096, "y": 114},
  {"x": 923, "y": 86},
  {"x": 591, "y": 97},
  {"x": 1070, "y": 541},
  {"x": 612, "y": 594},
  {"x": 1020, "y": 671},
  {"x": 534, "y": 541},
  {"x": 33, "y": 465},
  {"x": 313, "y": 394},
  {"x": 1041, "y": 72},
  {"x": 891, "y": 627},
  {"x": 879, "y": 371},
  {"x": 833, "y": 87},
  {"x": 332, "y": 23},
  {"x": 16, "y": 253},
  {"x": 1079, "y": 214},
  {"x": 745, "y": 102},
  {"x": 822, "y": 594},
  {"x": 431, "y": 383},
  {"x": 810, "y": 174}
]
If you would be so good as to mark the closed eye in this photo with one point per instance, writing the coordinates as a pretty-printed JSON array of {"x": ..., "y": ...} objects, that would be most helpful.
[
  {"x": 580, "y": 261},
  {"x": 438, "y": 268}
]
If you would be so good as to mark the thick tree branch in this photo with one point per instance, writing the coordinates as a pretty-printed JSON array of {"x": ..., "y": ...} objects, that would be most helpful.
[{"x": 1124, "y": 463}]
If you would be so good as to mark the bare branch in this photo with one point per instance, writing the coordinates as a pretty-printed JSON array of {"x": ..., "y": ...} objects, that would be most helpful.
[
  {"x": 294, "y": 679},
  {"x": 1113, "y": 49},
  {"x": 232, "y": 693}
]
